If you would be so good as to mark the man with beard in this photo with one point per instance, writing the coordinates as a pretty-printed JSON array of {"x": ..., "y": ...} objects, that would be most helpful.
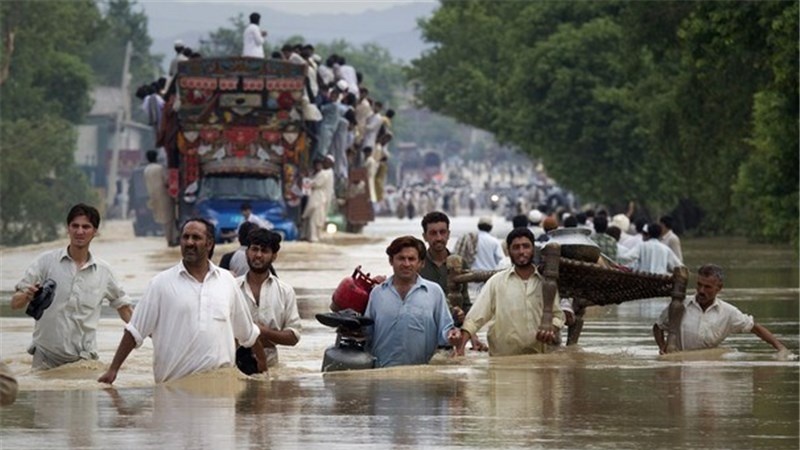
[
  {"x": 436, "y": 232},
  {"x": 410, "y": 314},
  {"x": 707, "y": 320},
  {"x": 272, "y": 302},
  {"x": 192, "y": 312},
  {"x": 513, "y": 299}
]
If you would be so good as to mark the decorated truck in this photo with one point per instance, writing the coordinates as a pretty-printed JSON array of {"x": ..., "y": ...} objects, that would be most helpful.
[{"x": 238, "y": 137}]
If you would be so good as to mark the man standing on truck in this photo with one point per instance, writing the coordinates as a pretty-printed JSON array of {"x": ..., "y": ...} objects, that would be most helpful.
[{"x": 254, "y": 38}]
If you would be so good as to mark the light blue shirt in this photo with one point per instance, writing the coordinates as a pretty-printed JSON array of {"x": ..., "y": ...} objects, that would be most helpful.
[{"x": 407, "y": 332}]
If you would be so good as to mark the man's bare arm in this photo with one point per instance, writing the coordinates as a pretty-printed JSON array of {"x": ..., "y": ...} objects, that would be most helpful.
[{"x": 767, "y": 337}]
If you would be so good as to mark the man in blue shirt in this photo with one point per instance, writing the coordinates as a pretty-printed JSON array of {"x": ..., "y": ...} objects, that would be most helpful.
[{"x": 411, "y": 316}]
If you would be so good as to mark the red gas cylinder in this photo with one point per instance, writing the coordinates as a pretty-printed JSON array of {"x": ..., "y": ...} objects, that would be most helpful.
[{"x": 353, "y": 292}]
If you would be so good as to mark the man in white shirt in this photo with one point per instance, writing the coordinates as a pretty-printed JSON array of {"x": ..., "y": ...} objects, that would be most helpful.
[
  {"x": 272, "y": 302},
  {"x": 192, "y": 312},
  {"x": 488, "y": 251},
  {"x": 173, "y": 65},
  {"x": 248, "y": 216},
  {"x": 653, "y": 256},
  {"x": 253, "y": 38},
  {"x": 348, "y": 74},
  {"x": 707, "y": 320}
]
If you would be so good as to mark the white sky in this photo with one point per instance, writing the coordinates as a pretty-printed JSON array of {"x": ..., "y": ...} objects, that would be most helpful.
[{"x": 310, "y": 6}]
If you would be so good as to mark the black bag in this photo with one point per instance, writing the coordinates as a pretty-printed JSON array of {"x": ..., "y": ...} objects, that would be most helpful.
[
  {"x": 42, "y": 299},
  {"x": 246, "y": 361}
]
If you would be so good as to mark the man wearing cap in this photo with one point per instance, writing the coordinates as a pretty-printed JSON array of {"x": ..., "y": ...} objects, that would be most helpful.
[
  {"x": 622, "y": 222},
  {"x": 253, "y": 38},
  {"x": 66, "y": 331},
  {"x": 534, "y": 220}
]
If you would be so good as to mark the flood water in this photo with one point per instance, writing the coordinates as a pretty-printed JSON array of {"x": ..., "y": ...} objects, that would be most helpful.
[{"x": 612, "y": 391}]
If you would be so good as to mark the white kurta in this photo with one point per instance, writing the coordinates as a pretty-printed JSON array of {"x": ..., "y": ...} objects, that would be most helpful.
[
  {"x": 316, "y": 212},
  {"x": 192, "y": 324},
  {"x": 253, "y": 42}
]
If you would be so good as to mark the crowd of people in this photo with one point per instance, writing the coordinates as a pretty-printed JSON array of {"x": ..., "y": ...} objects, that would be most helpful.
[
  {"x": 345, "y": 124},
  {"x": 201, "y": 316},
  {"x": 468, "y": 186}
]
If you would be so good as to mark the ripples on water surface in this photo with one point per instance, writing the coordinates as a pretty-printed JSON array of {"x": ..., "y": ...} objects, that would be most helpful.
[{"x": 611, "y": 392}]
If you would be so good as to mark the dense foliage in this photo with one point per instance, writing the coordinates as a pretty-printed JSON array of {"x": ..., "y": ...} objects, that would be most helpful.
[
  {"x": 52, "y": 55},
  {"x": 688, "y": 107}
]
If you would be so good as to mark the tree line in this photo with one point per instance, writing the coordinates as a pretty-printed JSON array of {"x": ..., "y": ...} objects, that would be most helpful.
[
  {"x": 683, "y": 107},
  {"x": 52, "y": 55}
]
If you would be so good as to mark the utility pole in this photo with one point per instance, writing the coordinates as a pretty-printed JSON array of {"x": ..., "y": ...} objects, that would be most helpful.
[{"x": 123, "y": 114}]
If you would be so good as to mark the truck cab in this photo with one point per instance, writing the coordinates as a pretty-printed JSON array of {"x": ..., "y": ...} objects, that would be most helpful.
[{"x": 220, "y": 198}]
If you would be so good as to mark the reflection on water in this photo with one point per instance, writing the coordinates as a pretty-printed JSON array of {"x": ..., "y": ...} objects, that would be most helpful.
[
  {"x": 613, "y": 391},
  {"x": 571, "y": 400}
]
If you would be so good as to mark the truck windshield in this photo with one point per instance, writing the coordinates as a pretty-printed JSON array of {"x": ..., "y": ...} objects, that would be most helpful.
[{"x": 240, "y": 188}]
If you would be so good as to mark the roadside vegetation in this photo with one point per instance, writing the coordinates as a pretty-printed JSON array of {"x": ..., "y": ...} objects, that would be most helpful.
[{"x": 683, "y": 107}]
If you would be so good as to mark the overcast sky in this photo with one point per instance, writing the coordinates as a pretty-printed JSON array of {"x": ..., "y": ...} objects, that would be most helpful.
[{"x": 297, "y": 6}]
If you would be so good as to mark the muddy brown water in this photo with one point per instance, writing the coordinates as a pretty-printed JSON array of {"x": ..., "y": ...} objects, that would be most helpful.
[{"x": 612, "y": 391}]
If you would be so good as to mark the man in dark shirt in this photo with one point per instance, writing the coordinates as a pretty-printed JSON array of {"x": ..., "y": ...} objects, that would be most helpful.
[{"x": 436, "y": 233}]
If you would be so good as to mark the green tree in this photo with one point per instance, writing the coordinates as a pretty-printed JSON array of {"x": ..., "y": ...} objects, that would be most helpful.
[
  {"x": 38, "y": 179},
  {"x": 383, "y": 75},
  {"x": 121, "y": 23},
  {"x": 45, "y": 91},
  {"x": 669, "y": 103},
  {"x": 225, "y": 41},
  {"x": 44, "y": 47}
]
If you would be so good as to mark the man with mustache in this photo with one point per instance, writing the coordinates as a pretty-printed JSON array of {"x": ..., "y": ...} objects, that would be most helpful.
[
  {"x": 411, "y": 316},
  {"x": 192, "y": 312},
  {"x": 708, "y": 320},
  {"x": 513, "y": 298}
]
